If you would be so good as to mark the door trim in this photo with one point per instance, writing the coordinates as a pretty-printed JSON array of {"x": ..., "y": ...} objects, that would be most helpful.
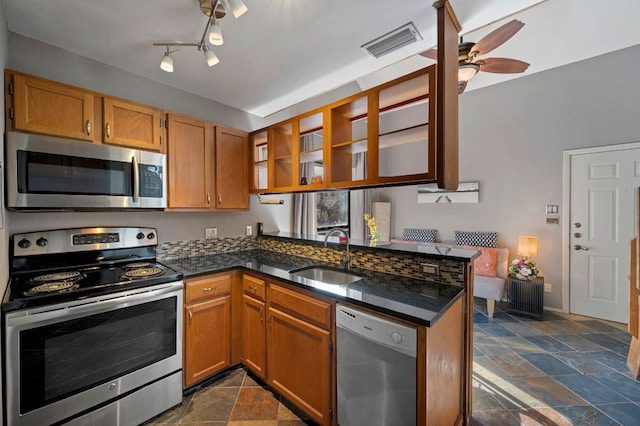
[{"x": 566, "y": 202}]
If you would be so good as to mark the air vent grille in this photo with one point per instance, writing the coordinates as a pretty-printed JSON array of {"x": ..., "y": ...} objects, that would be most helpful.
[{"x": 393, "y": 40}]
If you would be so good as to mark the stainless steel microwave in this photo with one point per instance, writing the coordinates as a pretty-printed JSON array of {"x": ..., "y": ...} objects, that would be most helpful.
[{"x": 45, "y": 172}]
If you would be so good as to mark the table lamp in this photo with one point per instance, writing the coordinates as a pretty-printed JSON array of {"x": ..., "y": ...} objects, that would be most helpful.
[{"x": 527, "y": 246}]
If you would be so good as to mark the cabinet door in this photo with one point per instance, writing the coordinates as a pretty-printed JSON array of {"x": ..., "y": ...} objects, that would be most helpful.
[
  {"x": 189, "y": 158},
  {"x": 46, "y": 107},
  {"x": 231, "y": 170},
  {"x": 253, "y": 335},
  {"x": 298, "y": 363},
  {"x": 207, "y": 339},
  {"x": 132, "y": 125}
]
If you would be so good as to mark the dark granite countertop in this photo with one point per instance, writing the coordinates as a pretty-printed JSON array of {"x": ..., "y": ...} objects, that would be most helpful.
[{"x": 415, "y": 300}]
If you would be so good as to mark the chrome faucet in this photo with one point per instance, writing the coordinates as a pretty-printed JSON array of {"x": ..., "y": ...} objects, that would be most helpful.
[{"x": 346, "y": 258}]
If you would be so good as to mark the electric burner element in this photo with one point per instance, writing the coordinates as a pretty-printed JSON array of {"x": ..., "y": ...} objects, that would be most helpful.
[
  {"x": 58, "y": 276},
  {"x": 51, "y": 287},
  {"x": 138, "y": 265},
  {"x": 143, "y": 273}
]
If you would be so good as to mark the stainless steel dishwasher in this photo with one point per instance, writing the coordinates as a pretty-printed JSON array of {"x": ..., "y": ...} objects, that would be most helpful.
[{"x": 376, "y": 370}]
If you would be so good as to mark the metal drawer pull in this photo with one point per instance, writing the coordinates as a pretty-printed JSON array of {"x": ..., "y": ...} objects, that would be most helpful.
[
  {"x": 261, "y": 312},
  {"x": 108, "y": 131},
  {"x": 208, "y": 289},
  {"x": 208, "y": 199},
  {"x": 190, "y": 317},
  {"x": 254, "y": 289},
  {"x": 88, "y": 127},
  {"x": 219, "y": 198}
]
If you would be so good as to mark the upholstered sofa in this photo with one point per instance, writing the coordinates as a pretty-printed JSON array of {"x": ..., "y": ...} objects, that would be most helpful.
[
  {"x": 492, "y": 288},
  {"x": 490, "y": 268}
]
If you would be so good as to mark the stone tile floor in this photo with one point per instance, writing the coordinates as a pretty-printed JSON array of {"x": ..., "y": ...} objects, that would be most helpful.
[{"x": 565, "y": 370}]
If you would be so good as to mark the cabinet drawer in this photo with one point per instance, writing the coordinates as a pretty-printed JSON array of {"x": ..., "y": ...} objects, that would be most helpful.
[
  {"x": 302, "y": 306},
  {"x": 253, "y": 286},
  {"x": 206, "y": 287}
]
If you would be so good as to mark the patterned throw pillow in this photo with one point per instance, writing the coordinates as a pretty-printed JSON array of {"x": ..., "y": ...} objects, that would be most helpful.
[
  {"x": 485, "y": 264},
  {"x": 482, "y": 239},
  {"x": 422, "y": 235}
]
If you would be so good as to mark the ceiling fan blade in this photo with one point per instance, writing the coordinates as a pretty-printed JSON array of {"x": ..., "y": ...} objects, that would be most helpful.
[
  {"x": 502, "y": 65},
  {"x": 431, "y": 54},
  {"x": 497, "y": 37}
]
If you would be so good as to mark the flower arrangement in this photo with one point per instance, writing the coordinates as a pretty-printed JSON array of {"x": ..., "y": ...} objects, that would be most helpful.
[
  {"x": 371, "y": 223},
  {"x": 524, "y": 268}
]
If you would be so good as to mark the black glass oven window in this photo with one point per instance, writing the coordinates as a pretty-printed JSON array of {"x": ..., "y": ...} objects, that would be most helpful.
[
  {"x": 63, "y": 174},
  {"x": 66, "y": 358}
]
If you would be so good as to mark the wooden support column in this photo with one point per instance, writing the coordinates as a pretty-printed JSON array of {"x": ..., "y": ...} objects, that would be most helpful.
[{"x": 447, "y": 96}]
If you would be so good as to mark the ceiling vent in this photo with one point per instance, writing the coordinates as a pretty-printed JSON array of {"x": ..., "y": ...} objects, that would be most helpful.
[{"x": 393, "y": 40}]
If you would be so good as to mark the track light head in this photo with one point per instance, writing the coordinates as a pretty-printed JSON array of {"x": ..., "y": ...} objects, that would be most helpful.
[
  {"x": 210, "y": 56},
  {"x": 215, "y": 34},
  {"x": 167, "y": 61},
  {"x": 237, "y": 7}
]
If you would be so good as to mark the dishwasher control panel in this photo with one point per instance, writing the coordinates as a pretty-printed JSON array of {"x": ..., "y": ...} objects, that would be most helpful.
[{"x": 392, "y": 334}]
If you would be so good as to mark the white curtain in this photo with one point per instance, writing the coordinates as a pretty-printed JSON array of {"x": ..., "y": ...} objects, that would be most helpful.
[{"x": 304, "y": 204}]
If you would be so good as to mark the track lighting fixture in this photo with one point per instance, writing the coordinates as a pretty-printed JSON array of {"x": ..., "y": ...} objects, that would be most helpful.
[{"x": 214, "y": 10}]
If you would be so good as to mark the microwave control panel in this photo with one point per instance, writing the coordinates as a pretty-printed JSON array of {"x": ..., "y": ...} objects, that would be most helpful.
[{"x": 150, "y": 181}]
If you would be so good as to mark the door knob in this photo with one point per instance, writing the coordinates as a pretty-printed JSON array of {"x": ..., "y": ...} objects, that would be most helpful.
[{"x": 579, "y": 247}]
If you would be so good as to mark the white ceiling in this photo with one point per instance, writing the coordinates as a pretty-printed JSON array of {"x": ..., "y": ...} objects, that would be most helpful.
[{"x": 282, "y": 52}]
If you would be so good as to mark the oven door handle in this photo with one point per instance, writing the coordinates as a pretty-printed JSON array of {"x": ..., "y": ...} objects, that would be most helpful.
[
  {"x": 37, "y": 317},
  {"x": 136, "y": 179}
]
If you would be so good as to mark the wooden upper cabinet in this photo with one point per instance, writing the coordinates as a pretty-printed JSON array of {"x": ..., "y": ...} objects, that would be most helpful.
[
  {"x": 46, "y": 107},
  {"x": 231, "y": 169},
  {"x": 132, "y": 125},
  {"x": 189, "y": 158},
  {"x": 386, "y": 135}
]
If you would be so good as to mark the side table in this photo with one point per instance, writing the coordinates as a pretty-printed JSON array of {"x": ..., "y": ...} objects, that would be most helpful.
[{"x": 526, "y": 297}]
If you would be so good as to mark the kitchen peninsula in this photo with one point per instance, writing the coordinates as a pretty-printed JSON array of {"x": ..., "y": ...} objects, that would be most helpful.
[{"x": 275, "y": 315}]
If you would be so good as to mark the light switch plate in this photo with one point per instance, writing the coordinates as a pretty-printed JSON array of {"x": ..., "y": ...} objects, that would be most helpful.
[
  {"x": 249, "y": 231},
  {"x": 552, "y": 209}
]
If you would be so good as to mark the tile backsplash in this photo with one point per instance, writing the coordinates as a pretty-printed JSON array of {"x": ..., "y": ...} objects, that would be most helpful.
[{"x": 391, "y": 262}]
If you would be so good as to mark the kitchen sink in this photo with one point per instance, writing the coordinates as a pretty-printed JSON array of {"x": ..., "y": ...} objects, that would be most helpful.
[{"x": 327, "y": 275}]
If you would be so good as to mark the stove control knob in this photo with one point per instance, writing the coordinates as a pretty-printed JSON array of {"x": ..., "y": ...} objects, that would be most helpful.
[
  {"x": 151, "y": 235},
  {"x": 42, "y": 242},
  {"x": 396, "y": 337},
  {"x": 140, "y": 235},
  {"x": 24, "y": 243}
]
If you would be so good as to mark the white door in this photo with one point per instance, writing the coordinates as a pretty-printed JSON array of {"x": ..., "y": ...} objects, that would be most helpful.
[{"x": 602, "y": 212}]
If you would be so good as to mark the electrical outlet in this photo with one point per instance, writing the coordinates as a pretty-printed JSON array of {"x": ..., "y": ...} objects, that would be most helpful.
[
  {"x": 430, "y": 269},
  {"x": 210, "y": 233},
  {"x": 547, "y": 287},
  {"x": 249, "y": 231}
]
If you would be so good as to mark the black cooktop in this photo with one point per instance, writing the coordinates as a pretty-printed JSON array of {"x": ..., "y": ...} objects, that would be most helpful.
[{"x": 49, "y": 287}]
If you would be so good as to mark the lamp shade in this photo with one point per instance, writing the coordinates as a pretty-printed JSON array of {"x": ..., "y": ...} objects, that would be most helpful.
[
  {"x": 211, "y": 57},
  {"x": 167, "y": 62},
  {"x": 215, "y": 34},
  {"x": 527, "y": 246},
  {"x": 237, "y": 7},
  {"x": 466, "y": 71}
]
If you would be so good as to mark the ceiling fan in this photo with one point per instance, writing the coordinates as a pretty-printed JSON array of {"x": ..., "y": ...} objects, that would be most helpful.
[{"x": 468, "y": 65}]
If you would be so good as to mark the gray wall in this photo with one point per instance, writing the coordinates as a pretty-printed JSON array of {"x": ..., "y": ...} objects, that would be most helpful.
[
  {"x": 5, "y": 231},
  {"x": 512, "y": 138}
]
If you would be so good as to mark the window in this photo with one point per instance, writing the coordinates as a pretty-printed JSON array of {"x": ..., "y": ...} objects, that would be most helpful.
[{"x": 332, "y": 210}]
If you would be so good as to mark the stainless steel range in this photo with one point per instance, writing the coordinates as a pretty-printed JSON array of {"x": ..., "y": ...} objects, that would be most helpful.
[{"x": 92, "y": 328}]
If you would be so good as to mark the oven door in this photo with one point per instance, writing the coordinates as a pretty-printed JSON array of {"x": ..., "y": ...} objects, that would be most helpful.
[
  {"x": 70, "y": 359},
  {"x": 53, "y": 173}
]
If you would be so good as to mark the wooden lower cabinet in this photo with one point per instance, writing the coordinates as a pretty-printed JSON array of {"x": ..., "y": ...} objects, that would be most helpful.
[
  {"x": 253, "y": 335},
  {"x": 299, "y": 355},
  {"x": 207, "y": 328}
]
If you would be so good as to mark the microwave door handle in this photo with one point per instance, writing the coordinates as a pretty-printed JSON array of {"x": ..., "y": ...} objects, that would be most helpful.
[{"x": 136, "y": 179}]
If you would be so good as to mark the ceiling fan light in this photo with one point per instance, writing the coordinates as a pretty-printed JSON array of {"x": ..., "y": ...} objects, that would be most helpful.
[
  {"x": 210, "y": 56},
  {"x": 237, "y": 7},
  {"x": 166, "y": 64},
  {"x": 215, "y": 34},
  {"x": 466, "y": 71}
]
